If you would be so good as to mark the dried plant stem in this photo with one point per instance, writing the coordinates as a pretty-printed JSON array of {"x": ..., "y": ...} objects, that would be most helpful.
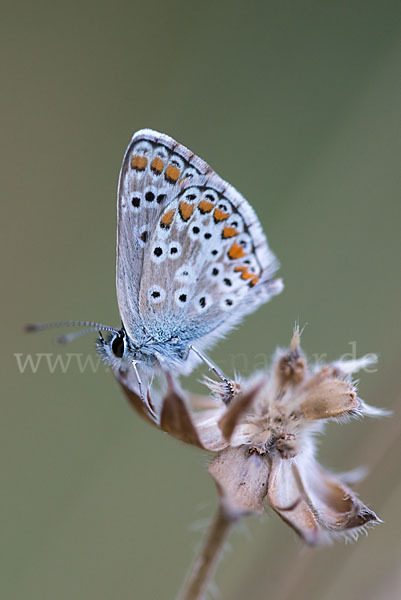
[{"x": 209, "y": 554}]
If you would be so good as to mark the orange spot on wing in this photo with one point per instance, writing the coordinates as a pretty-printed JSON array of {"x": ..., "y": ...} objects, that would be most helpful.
[
  {"x": 205, "y": 206},
  {"x": 236, "y": 251},
  {"x": 139, "y": 162},
  {"x": 229, "y": 232},
  {"x": 167, "y": 219},
  {"x": 245, "y": 273},
  {"x": 220, "y": 215},
  {"x": 172, "y": 173},
  {"x": 157, "y": 165},
  {"x": 185, "y": 210}
]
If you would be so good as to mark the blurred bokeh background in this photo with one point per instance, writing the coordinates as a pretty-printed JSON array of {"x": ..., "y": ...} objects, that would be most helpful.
[{"x": 297, "y": 104}]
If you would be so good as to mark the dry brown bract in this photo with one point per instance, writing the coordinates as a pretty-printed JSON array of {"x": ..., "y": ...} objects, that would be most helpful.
[{"x": 263, "y": 441}]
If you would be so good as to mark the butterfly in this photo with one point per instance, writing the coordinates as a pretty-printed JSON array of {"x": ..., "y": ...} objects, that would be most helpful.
[{"x": 192, "y": 261}]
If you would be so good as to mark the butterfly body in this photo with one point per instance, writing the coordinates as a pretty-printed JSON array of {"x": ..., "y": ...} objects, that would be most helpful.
[{"x": 192, "y": 258}]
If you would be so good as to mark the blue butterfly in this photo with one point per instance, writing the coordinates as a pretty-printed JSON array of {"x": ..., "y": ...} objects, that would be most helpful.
[{"x": 192, "y": 261}]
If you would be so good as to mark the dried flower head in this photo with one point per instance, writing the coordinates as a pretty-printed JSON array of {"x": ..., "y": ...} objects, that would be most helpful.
[{"x": 263, "y": 440}]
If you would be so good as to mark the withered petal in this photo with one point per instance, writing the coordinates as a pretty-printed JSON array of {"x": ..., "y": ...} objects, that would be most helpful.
[
  {"x": 175, "y": 418},
  {"x": 208, "y": 430},
  {"x": 338, "y": 508},
  {"x": 241, "y": 479},
  {"x": 201, "y": 403},
  {"x": 291, "y": 368},
  {"x": 285, "y": 498},
  {"x": 327, "y": 398},
  {"x": 236, "y": 408}
]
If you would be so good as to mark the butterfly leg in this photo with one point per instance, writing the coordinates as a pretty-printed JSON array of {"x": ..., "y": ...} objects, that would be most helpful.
[
  {"x": 228, "y": 384},
  {"x": 139, "y": 381}
]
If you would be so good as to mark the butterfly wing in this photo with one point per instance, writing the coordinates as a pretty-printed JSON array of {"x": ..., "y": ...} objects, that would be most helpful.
[
  {"x": 152, "y": 167},
  {"x": 207, "y": 264},
  {"x": 192, "y": 258}
]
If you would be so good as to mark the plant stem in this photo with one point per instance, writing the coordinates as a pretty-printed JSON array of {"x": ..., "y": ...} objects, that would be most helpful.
[{"x": 202, "y": 570}]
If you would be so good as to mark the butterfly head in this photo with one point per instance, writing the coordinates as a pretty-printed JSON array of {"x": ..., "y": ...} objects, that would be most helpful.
[
  {"x": 118, "y": 351},
  {"x": 115, "y": 349}
]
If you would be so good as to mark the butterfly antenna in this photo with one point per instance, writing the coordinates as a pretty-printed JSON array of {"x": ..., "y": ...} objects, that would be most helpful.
[
  {"x": 90, "y": 326},
  {"x": 69, "y": 337}
]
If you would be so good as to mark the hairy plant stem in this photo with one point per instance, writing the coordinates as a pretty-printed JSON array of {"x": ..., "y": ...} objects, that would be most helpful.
[{"x": 204, "y": 566}]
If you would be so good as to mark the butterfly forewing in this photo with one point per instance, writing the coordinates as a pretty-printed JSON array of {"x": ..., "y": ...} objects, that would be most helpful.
[{"x": 152, "y": 167}]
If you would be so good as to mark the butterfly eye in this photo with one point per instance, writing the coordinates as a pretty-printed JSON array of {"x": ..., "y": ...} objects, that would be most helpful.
[{"x": 117, "y": 346}]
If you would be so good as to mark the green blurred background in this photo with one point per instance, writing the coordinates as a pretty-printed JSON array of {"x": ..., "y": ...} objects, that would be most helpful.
[{"x": 297, "y": 104}]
